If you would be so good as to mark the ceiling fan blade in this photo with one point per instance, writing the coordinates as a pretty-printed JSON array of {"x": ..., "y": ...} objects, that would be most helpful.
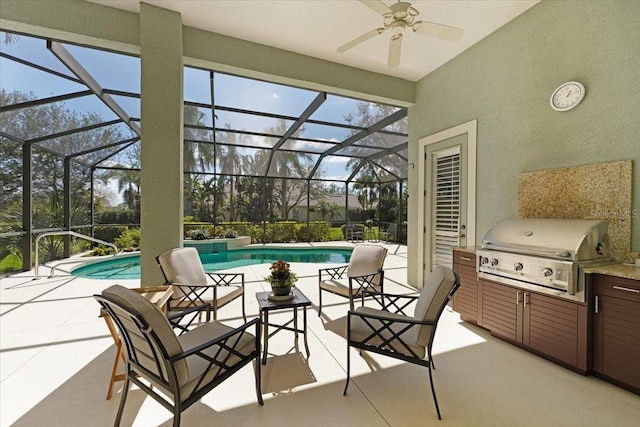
[
  {"x": 395, "y": 47},
  {"x": 377, "y": 6},
  {"x": 441, "y": 31},
  {"x": 363, "y": 38}
]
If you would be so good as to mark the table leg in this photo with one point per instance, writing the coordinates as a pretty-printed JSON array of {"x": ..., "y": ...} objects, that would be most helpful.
[
  {"x": 295, "y": 325},
  {"x": 265, "y": 328},
  {"x": 304, "y": 317}
]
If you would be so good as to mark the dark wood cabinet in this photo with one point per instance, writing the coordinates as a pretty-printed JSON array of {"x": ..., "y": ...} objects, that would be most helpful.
[
  {"x": 616, "y": 330},
  {"x": 465, "y": 300},
  {"x": 551, "y": 327}
]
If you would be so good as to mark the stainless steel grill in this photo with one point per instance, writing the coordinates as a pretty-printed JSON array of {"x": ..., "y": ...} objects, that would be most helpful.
[{"x": 544, "y": 255}]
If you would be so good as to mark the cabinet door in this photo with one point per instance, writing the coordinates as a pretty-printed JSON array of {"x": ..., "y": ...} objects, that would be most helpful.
[
  {"x": 502, "y": 310},
  {"x": 617, "y": 330},
  {"x": 550, "y": 325},
  {"x": 465, "y": 300}
]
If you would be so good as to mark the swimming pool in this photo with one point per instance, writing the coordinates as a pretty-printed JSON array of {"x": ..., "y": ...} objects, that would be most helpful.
[{"x": 128, "y": 267}]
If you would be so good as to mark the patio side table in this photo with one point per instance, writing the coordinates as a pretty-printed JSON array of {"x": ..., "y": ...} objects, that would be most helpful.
[
  {"x": 371, "y": 234},
  {"x": 267, "y": 305}
]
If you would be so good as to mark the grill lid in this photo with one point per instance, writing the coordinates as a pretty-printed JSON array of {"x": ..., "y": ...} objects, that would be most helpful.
[{"x": 569, "y": 239}]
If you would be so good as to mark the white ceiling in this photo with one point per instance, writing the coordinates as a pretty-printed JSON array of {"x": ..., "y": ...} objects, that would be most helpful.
[{"x": 318, "y": 27}]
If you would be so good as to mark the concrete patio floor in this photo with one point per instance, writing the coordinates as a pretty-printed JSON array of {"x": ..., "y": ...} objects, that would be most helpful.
[{"x": 56, "y": 355}]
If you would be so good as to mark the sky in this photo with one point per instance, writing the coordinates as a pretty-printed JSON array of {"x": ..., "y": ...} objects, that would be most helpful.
[{"x": 121, "y": 72}]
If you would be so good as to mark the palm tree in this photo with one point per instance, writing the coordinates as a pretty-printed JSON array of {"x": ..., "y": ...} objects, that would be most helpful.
[
  {"x": 365, "y": 186},
  {"x": 231, "y": 163},
  {"x": 198, "y": 156},
  {"x": 331, "y": 209},
  {"x": 288, "y": 163}
]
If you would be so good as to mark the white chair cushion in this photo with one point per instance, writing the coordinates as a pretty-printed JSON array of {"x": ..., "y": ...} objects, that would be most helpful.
[
  {"x": 183, "y": 266},
  {"x": 366, "y": 259},
  {"x": 433, "y": 294},
  {"x": 136, "y": 304}
]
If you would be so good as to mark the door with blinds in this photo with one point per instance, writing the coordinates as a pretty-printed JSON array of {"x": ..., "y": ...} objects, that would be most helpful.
[{"x": 446, "y": 188}]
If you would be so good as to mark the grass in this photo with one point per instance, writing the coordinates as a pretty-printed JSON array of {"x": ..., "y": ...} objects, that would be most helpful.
[{"x": 10, "y": 263}]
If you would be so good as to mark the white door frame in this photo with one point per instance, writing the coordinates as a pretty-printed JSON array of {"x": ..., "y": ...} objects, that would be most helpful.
[{"x": 471, "y": 130}]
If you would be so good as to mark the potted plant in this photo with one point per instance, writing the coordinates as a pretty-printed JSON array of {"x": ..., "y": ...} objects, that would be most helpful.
[{"x": 282, "y": 279}]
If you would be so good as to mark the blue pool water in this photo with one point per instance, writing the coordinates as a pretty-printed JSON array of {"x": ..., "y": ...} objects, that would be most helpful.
[{"x": 129, "y": 267}]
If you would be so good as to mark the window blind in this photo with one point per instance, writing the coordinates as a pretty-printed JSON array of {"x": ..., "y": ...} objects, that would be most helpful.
[{"x": 446, "y": 209}]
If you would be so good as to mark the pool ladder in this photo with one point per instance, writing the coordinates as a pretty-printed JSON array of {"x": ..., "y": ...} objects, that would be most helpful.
[{"x": 68, "y": 233}]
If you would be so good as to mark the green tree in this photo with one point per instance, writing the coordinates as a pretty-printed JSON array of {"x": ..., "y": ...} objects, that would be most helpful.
[
  {"x": 366, "y": 189},
  {"x": 48, "y": 156},
  {"x": 232, "y": 164},
  {"x": 331, "y": 210},
  {"x": 198, "y": 151}
]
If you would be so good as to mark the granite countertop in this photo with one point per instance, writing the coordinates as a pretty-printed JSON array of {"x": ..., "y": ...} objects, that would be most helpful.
[{"x": 627, "y": 271}]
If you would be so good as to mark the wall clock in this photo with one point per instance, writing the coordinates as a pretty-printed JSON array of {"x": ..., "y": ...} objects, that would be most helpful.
[{"x": 567, "y": 96}]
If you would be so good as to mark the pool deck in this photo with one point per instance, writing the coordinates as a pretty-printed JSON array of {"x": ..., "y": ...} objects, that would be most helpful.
[{"x": 56, "y": 353}]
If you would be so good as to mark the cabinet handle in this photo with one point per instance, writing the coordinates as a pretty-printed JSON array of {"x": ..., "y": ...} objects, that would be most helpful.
[
  {"x": 622, "y": 288},
  {"x": 525, "y": 298},
  {"x": 464, "y": 258},
  {"x": 597, "y": 304},
  {"x": 517, "y": 297}
]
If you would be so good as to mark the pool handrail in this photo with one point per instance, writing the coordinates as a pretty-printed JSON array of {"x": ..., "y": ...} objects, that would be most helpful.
[{"x": 67, "y": 233}]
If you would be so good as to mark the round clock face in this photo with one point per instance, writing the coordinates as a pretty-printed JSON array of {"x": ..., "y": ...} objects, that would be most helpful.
[{"x": 567, "y": 96}]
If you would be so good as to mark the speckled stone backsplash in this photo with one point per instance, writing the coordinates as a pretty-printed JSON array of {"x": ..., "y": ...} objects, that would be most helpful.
[{"x": 598, "y": 191}]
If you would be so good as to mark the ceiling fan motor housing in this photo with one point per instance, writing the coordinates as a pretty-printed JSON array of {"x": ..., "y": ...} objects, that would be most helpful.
[{"x": 401, "y": 15}]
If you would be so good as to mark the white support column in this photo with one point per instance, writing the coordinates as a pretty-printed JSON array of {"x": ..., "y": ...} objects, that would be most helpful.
[{"x": 162, "y": 129}]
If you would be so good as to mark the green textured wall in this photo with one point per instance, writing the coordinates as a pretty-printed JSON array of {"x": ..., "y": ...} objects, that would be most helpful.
[{"x": 505, "y": 82}]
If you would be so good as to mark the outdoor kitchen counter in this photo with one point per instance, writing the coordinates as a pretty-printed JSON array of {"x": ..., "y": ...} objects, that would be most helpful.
[
  {"x": 469, "y": 249},
  {"x": 626, "y": 271}
]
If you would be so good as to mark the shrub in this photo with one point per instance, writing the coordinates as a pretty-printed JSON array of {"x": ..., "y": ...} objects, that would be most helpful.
[
  {"x": 101, "y": 250},
  {"x": 230, "y": 234},
  {"x": 198, "y": 234},
  {"x": 129, "y": 240}
]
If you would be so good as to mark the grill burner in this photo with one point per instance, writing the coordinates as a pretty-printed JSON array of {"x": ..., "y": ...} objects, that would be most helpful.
[{"x": 544, "y": 255}]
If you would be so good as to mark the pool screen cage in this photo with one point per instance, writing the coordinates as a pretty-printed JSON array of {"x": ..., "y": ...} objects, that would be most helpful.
[{"x": 255, "y": 152}]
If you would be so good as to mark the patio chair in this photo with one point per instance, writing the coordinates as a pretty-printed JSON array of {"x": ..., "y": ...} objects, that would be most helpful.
[
  {"x": 183, "y": 269},
  {"x": 353, "y": 232},
  {"x": 177, "y": 371},
  {"x": 364, "y": 271},
  {"x": 392, "y": 230},
  {"x": 392, "y": 332}
]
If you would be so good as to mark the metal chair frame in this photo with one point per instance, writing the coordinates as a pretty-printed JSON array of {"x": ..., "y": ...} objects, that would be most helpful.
[
  {"x": 339, "y": 273},
  {"x": 148, "y": 345},
  {"x": 394, "y": 345},
  {"x": 194, "y": 295}
]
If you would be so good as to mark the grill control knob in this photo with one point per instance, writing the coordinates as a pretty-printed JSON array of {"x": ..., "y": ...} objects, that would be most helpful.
[
  {"x": 546, "y": 272},
  {"x": 494, "y": 262},
  {"x": 484, "y": 260},
  {"x": 518, "y": 266}
]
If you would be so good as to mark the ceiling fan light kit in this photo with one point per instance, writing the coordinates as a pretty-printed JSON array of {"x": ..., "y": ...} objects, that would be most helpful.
[{"x": 397, "y": 17}]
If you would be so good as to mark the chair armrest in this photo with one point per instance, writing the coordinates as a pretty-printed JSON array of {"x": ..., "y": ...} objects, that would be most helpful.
[
  {"x": 175, "y": 319},
  {"x": 394, "y": 303},
  {"x": 222, "y": 341},
  {"x": 334, "y": 273},
  {"x": 226, "y": 279},
  {"x": 408, "y": 321}
]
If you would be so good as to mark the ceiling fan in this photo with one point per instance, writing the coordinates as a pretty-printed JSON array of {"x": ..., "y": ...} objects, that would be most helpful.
[{"x": 396, "y": 18}]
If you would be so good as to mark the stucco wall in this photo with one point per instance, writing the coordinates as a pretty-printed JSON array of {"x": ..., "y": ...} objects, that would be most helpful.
[{"x": 505, "y": 82}]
